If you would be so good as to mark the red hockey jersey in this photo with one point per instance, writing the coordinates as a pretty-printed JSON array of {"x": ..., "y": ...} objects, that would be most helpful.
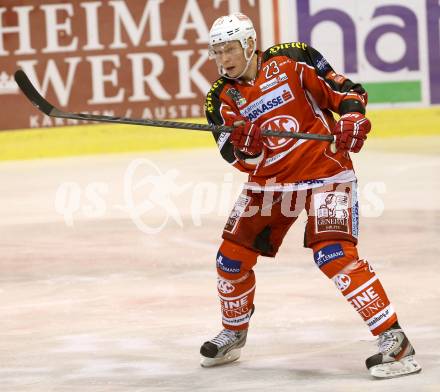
[{"x": 295, "y": 90}]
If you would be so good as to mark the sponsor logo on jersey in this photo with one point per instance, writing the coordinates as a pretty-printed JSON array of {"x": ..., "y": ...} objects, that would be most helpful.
[
  {"x": 236, "y": 97},
  {"x": 235, "y": 308},
  {"x": 365, "y": 298},
  {"x": 380, "y": 318},
  {"x": 237, "y": 212},
  {"x": 369, "y": 304},
  {"x": 331, "y": 212},
  {"x": 342, "y": 281},
  {"x": 234, "y": 321},
  {"x": 309, "y": 182},
  {"x": 228, "y": 265},
  {"x": 222, "y": 139},
  {"x": 322, "y": 64},
  {"x": 224, "y": 286},
  {"x": 287, "y": 61},
  {"x": 355, "y": 220},
  {"x": 281, "y": 124},
  {"x": 273, "y": 82},
  {"x": 209, "y": 106},
  {"x": 268, "y": 102},
  {"x": 337, "y": 78},
  {"x": 277, "y": 48},
  {"x": 269, "y": 84},
  {"x": 327, "y": 254}
]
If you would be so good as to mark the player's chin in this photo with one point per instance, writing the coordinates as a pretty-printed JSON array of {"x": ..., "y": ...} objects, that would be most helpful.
[{"x": 232, "y": 72}]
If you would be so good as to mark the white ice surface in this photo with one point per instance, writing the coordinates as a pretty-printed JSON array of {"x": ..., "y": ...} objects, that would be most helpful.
[{"x": 102, "y": 306}]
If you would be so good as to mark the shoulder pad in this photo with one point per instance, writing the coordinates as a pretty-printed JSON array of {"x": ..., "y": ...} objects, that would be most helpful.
[
  {"x": 291, "y": 49},
  {"x": 215, "y": 91}
]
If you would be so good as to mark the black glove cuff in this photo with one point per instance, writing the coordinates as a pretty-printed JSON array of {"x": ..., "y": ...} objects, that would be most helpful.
[
  {"x": 241, "y": 155},
  {"x": 351, "y": 105}
]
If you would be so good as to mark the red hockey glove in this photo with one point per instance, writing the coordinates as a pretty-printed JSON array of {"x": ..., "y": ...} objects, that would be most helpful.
[
  {"x": 351, "y": 131},
  {"x": 247, "y": 138}
]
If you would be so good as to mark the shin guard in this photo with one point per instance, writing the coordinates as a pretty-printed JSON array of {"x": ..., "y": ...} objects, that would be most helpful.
[
  {"x": 357, "y": 282},
  {"x": 236, "y": 284}
]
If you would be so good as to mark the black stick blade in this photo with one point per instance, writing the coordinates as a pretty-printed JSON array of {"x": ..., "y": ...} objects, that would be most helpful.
[{"x": 31, "y": 92}]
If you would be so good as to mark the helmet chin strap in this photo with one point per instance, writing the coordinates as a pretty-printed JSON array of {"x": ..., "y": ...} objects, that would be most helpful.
[{"x": 248, "y": 62}]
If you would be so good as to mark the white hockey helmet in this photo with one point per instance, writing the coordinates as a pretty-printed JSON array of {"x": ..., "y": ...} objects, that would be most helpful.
[{"x": 234, "y": 27}]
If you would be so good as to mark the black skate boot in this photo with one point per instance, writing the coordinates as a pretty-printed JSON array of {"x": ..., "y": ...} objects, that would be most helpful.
[
  {"x": 224, "y": 348},
  {"x": 395, "y": 357}
]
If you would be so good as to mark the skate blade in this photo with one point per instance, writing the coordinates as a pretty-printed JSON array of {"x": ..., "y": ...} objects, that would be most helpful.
[
  {"x": 404, "y": 367},
  {"x": 231, "y": 356}
]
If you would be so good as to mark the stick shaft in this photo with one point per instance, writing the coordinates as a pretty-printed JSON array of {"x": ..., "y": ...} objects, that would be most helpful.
[{"x": 44, "y": 106}]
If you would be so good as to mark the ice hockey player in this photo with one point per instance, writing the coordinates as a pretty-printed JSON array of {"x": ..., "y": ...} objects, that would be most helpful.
[{"x": 292, "y": 87}]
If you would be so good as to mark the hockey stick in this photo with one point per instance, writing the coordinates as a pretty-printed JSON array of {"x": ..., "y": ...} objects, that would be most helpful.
[{"x": 44, "y": 106}]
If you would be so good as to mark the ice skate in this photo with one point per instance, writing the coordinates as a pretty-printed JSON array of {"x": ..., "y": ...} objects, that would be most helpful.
[
  {"x": 224, "y": 348},
  {"x": 395, "y": 357}
]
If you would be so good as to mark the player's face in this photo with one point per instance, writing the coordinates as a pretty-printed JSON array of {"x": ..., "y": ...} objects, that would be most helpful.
[{"x": 230, "y": 56}]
